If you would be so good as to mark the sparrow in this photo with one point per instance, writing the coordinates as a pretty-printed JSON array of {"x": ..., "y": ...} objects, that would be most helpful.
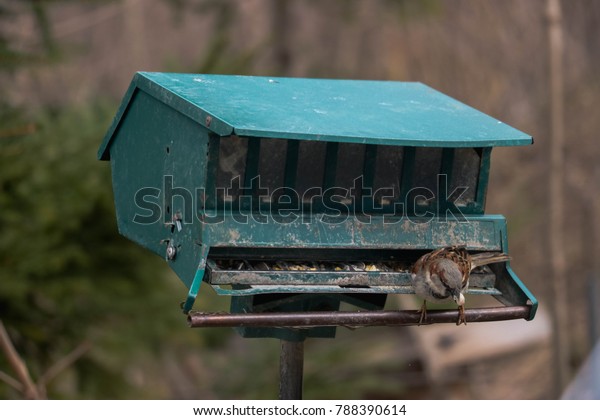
[{"x": 443, "y": 274}]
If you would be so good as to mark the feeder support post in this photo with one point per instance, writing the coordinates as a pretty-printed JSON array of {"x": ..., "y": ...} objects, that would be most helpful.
[{"x": 291, "y": 366}]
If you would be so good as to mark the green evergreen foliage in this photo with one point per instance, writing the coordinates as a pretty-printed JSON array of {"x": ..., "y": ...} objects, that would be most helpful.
[{"x": 66, "y": 275}]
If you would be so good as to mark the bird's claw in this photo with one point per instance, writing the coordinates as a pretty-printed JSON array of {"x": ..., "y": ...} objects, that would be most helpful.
[
  {"x": 423, "y": 312},
  {"x": 461, "y": 316}
]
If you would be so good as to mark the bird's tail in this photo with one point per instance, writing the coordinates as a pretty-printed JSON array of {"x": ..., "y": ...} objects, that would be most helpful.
[{"x": 485, "y": 258}]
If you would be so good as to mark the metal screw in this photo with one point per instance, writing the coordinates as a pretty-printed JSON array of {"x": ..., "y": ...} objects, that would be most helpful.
[
  {"x": 171, "y": 252},
  {"x": 177, "y": 220}
]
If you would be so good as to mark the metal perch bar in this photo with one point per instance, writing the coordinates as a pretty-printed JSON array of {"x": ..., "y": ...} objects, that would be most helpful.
[{"x": 352, "y": 319}]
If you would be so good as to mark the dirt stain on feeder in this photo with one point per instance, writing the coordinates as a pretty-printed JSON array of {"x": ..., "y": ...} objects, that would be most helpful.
[{"x": 234, "y": 235}]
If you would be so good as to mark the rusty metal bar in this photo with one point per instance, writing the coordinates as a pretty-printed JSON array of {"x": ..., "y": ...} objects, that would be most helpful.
[{"x": 352, "y": 319}]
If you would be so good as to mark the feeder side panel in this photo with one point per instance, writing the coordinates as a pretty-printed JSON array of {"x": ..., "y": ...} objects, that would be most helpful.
[{"x": 158, "y": 160}]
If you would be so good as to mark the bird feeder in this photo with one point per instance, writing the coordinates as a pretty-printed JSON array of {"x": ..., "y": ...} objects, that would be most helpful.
[{"x": 291, "y": 196}]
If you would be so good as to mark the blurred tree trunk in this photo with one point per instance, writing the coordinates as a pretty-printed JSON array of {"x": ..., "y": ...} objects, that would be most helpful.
[
  {"x": 44, "y": 26},
  {"x": 590, "y": 204},
  {"x": 134, "y": 28},
  {"x": 281, "y": 40},
  {"x": 595, "y": 252},
  {"x": 556, "y": 255}
]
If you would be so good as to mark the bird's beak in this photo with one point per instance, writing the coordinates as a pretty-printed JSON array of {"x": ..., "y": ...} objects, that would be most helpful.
[{"x": 458, "y": 298}]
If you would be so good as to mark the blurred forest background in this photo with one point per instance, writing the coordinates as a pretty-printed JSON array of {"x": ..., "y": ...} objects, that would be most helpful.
[{"x": 94, "y": 316}]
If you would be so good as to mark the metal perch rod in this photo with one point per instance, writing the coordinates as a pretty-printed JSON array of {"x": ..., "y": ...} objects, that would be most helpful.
[{"x": 351, "y": 319}]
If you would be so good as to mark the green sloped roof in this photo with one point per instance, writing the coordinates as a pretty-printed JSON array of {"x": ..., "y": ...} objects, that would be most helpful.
[{"x": 373, "y": 112}]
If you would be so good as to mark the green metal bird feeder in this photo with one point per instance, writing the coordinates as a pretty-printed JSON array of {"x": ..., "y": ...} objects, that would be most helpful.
[{"x": 291, "y": 196}]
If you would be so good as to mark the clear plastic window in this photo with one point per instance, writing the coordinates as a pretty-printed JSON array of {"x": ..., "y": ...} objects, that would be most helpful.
[
  {"x": 271, "y": 167},
  {"x": 311, "y": 167},
  {"x": 388, "y": 175},
  {"x": 231, "y": 167},
  {"x": 465, "y": 175}
]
